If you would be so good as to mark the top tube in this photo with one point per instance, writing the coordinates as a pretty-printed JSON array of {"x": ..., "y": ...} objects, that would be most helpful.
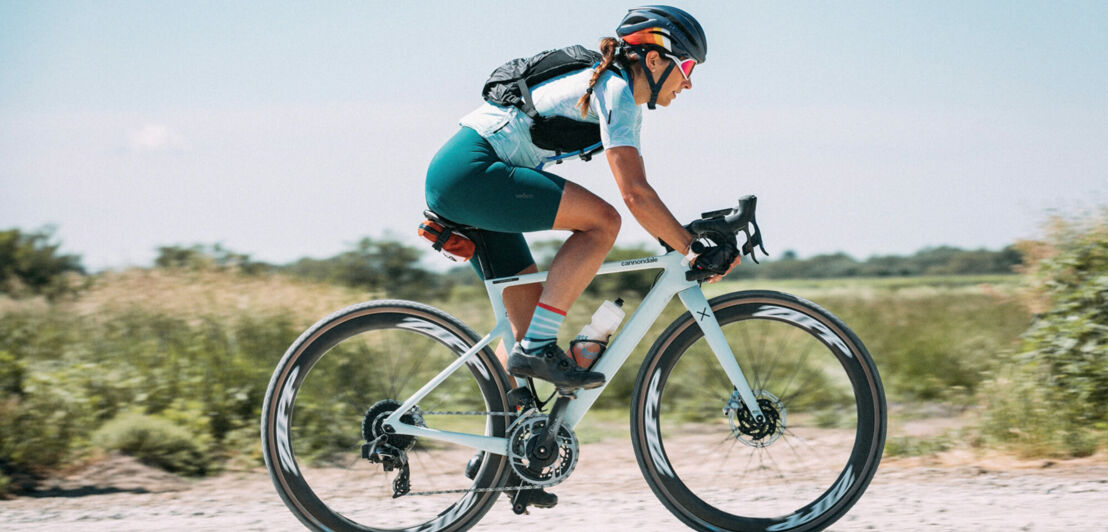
[{"x": 671, "y": 260}]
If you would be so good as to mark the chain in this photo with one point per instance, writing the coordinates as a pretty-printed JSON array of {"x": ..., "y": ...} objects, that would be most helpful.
[
  {"x": 448, "y": 413},
  {"x": 476, "y": 490}
]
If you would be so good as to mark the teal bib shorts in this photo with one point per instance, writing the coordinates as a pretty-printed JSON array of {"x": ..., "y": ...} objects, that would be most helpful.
[{"x": 467, "y": 183}]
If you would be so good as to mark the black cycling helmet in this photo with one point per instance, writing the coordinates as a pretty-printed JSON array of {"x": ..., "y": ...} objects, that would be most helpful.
[{"x": 664, "y": 29}]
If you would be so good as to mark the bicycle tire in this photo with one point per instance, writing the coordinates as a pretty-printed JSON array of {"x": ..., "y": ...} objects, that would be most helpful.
[
  {"x": 806, "y": 473},
  {"x": 335, "y": 376}
]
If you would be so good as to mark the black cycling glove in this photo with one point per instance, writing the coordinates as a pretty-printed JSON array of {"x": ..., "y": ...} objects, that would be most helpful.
[{"x": 716, "y": 259}]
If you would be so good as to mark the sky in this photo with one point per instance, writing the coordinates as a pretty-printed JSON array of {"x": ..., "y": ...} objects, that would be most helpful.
[{"x": 292, "y": 129}]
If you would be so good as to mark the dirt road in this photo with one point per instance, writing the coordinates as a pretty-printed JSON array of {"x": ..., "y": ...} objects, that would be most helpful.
[{"x": 949, "y": 492}]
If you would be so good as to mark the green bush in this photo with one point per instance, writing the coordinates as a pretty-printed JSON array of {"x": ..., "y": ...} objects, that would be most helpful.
[
  {"x": 1055, "y": 395},
  {"x": 30, "y": 264},
  {"x": 155, "y": 441},
  {"x": 40, "y": 425},
  {"x": 63, "y": 375},
  {"x": 1070, "y": 340}
]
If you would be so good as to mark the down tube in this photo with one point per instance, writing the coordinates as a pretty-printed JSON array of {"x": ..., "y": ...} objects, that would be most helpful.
[
  {"x": 618, "y": 351},
  {"x": 698, "y": 306}
]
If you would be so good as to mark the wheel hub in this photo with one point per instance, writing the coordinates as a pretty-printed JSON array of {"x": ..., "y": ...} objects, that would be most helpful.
[
  {"x": 374, "y": 430},
  {"x": 748, "y": 430}
]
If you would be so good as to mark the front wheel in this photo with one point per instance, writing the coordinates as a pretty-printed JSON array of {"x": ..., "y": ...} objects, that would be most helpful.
[{"x": 806, "y": 464}]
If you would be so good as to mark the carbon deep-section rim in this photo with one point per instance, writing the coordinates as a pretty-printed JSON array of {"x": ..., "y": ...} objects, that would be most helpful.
[
  {"x": 370, "y": 354},
  {"x": 715, "y": 469}
]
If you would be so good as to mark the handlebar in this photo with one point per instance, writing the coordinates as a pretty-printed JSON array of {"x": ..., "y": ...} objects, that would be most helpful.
[{"x": 722, "y": 227}]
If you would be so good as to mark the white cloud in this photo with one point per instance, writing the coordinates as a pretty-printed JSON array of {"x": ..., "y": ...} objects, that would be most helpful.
[{"x": 154, "y": 138}]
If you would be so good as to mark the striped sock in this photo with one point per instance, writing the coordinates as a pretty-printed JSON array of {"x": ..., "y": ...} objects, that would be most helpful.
[{"x": 544, "y": 327}]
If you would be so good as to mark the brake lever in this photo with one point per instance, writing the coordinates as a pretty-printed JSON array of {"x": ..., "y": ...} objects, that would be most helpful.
[{"x": 752, "y": 241}]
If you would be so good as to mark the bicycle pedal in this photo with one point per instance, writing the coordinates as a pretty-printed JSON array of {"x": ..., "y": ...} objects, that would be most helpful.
[{"x": 520, "y": 500}]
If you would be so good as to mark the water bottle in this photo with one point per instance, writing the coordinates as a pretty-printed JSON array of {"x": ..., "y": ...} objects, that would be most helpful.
[{"x": 593, "y": 338}]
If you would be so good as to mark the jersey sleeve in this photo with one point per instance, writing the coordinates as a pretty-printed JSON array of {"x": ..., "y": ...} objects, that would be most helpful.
[{"x": 620, "y": 118}]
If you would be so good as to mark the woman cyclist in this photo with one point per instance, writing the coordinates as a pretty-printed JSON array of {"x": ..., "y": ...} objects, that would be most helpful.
[{"x": 488, "y": 176}]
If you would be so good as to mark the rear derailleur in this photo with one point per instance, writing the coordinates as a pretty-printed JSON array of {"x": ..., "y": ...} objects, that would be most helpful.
[{"x": 383, "y": 446}]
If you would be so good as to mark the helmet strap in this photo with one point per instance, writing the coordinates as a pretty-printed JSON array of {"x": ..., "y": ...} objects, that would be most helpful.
[{"x": 655, "y": 86}]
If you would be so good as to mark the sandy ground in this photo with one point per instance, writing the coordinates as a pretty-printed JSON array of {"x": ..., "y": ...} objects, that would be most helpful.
[{"x": 956, "y": 490}]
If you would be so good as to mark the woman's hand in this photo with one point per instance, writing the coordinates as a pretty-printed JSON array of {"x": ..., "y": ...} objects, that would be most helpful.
[
  {"x": 715, "y": 258},
  {"x": 716, "y": 278}
]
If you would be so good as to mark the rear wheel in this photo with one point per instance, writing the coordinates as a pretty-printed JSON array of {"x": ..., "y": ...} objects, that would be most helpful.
[
  {"x": 713, "y": 465},
  {"x": 323, "y": 436}
]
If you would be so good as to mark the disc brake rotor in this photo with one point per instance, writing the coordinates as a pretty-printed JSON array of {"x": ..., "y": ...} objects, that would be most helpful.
[{"x": 743, "y": 426}]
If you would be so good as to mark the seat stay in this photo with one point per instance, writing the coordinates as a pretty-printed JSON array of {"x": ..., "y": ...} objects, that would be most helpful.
[{"x": 492, "y": 444}]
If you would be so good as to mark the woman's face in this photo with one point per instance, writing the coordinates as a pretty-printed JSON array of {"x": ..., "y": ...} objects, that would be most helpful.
[{"x": 674, "y": 83}]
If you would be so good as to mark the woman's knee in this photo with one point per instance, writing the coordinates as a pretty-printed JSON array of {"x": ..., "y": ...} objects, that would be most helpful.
[
  {"x": 582, "y": 210},
  {"x": 608, "y": 222}
]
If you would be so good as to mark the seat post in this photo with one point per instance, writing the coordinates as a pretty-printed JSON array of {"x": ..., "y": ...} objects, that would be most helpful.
[{"x": 481, "y": 254}]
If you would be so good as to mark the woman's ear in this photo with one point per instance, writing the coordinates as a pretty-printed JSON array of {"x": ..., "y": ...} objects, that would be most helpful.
[{"x": 653, "y": 58}]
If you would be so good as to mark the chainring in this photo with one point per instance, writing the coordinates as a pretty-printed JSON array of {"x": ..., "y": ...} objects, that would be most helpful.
[{"x": 522, "y": 433}]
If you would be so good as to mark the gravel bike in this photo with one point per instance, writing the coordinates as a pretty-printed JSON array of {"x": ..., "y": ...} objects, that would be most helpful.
[{"x": 754, "y": 410}]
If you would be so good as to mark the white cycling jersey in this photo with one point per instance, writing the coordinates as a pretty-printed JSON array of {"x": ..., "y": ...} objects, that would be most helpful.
[{"x": 508, "y": 129}]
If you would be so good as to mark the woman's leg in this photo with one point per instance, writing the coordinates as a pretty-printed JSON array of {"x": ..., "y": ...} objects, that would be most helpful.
[
  {"x": 595, "y": 225},
  {"x": 519, "y": 301}
]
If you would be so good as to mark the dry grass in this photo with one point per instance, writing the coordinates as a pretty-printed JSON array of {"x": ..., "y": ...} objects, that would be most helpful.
[{"x": 189, "y": 293}]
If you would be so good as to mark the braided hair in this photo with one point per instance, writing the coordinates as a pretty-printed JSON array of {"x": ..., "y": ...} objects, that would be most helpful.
[{"x": 613, "y": 50}]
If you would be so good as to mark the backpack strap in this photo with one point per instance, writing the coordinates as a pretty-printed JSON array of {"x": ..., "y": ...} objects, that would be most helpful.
[{"x": 527, "y": 106}]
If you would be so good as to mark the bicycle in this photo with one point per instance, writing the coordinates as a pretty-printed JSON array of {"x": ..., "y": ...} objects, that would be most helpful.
[{"x": 786, "y": 436}]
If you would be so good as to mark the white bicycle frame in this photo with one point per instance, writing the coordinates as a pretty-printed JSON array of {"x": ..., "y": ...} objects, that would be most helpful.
[{"x": 671, "y": 282}]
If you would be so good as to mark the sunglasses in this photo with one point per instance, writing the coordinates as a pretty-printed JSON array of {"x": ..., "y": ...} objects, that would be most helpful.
[{"x": 684, "y": 65}]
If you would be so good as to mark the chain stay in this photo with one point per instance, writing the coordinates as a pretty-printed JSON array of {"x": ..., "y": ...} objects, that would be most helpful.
[{"x": 475, "y": 490}]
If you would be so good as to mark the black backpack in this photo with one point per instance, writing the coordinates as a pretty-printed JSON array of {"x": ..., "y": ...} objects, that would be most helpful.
[{"x": 509, "y": 85}]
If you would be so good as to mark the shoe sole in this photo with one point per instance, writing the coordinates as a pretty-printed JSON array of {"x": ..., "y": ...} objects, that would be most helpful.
[{"x": 526, "y": 372}]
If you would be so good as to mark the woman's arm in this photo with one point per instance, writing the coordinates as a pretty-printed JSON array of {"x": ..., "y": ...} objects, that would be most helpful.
[{"x": 644, "y": 203}]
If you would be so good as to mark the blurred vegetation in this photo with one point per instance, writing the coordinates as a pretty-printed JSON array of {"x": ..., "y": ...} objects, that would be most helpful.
[
  {"x": 156, "y": 441},
  {"x": 170, "y": 364},
  {"x": 1052, "y": 398},
  {"x": 931, "y": 261},
  {"x": 168, "y": 389},
  {"x": 201, "y": 257},
  {"x": 377, "y": 265},
  {"x": 31, "y": 265}
]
